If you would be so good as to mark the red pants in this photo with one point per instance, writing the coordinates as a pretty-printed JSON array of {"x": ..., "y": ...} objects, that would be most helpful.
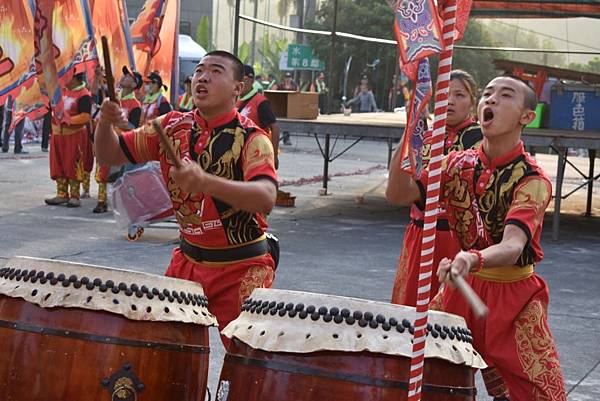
[
  {"x": 102, "y": 172},
  {"x": 515, "y": 337},
  {"x": 407, "y": 273},
  {"x": 88, "y": 153},
  {"x": 65, "y": 155},
  {"x": 225, "y": 286}
]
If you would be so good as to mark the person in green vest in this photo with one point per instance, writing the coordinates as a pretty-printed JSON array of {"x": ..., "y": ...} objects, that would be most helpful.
[
  {"x": 321, "y": 88},
  {"x": 186, "y": 100}
]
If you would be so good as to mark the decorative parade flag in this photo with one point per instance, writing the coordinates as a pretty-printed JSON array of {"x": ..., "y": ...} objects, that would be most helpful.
[
  {"x": 155, "y": 35},
  {"x": 418, "y": 33},
  {"x": 17, "y": 63},
  {"x": 145, "y": 33},
  {"x": 462, "y": 16},
  {"x": 416, "y": 126},
  {"x": 64, "y": 45},
  {"x": 164, "y": 59},
  {"x": 109, "y": 18},
  {"x": 417, "y": 29},
  {"x": 16, "y": 48}
]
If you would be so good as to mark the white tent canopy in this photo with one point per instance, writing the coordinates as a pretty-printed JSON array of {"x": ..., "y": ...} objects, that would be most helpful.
[{"x": 189, "y": 49}]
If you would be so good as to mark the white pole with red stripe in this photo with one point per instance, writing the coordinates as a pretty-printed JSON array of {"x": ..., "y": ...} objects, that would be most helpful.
[{"x": 431, "y": 204}]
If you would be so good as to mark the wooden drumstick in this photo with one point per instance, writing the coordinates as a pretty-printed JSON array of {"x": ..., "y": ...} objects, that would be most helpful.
[
  {"x": 110, "y": 79},
  {"x": 167, "y": 144},
  {"x": 477, "y": 305}
]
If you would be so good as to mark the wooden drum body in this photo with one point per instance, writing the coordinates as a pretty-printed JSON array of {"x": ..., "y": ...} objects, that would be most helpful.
[
  {"x": 78, "y": 332},
  {"x": 289, "y": 345}
]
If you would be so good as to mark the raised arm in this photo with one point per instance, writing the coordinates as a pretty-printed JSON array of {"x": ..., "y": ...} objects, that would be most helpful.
[
  {"x": 401, "y": 187},
  {"x": 106, "y": 141}
]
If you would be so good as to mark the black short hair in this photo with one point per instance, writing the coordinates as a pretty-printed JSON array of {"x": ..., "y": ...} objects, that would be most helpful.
[
  {"x": 531, "y": 100},
  {"x": 238, "y": 66}
]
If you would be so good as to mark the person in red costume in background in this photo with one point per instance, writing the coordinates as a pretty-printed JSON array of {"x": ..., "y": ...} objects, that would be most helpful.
[
  {"x": 257, "y": 107},
  {"x": 155, "y": 103},
  {"x": 226, "y": 184},
  {"x": 67, "y": 142},
  {"x": 462, "y": 132},
  {"x": 186, "y": 100},
  {"x": 132, "y": 111},
  {"x": 495, "y": 197}
]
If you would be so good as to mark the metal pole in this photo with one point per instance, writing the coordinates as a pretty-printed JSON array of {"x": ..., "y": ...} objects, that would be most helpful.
[
  {"x": 331, "y": 58},
  {"x": 588, "y": 207},
  {"x": 560, "y": 173},
  {"x": 252, "y": 55},
  {"x": 236, "y": 27},
  {"x": 326, "y": 163}
]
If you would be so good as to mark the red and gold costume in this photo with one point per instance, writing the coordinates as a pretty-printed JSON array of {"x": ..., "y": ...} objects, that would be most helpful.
[
  {"x": 258, "y": 108},
  {"x": 67, "y": 142},
  {"x": 481, "y": 198},
  {"x": 466, "y": 135},
  {"x": 132, "y": 111},
  {"x": 232, "y": 241}
]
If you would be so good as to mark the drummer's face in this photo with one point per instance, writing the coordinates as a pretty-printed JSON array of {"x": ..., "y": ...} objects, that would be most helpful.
[{"x": 214, "y": 83}]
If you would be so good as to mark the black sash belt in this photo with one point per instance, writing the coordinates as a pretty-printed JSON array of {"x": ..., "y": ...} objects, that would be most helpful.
[
  {"x": 252, "y": 250},
  {"x": 346, "y": 377},
  {"x": 442, "y": 224}
]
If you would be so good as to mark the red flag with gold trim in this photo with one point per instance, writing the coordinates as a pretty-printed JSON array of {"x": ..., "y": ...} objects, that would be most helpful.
[
  {"x": 64, "y": 44},
  {"x": 109, "y": 18},
  {"x": 17, "y": 64}
]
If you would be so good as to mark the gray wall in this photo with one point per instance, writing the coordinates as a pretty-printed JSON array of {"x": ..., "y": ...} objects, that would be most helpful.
[{"x": 189, "y": 16}]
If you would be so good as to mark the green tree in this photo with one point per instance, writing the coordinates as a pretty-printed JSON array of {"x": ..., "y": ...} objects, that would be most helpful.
[
  {"x": 270, "y": 50},
  {"x": 514, "y": 36},
  {"x": 244, "y": 52},
  {"x": 203, "y": 33},
  {"x": 592, "y": 66},
  {"x": 477, "y": 62},
  {"x": 364, "y": 17},
  {"x": 375, "y": 18}
]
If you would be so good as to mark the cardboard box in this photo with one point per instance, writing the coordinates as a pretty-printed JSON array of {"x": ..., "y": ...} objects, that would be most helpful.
[{"x": 288, "y": 104}]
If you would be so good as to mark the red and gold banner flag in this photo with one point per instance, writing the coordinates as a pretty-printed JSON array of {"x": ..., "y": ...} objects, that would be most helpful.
[
  {"x": 17, "y": 65},
  {"x": 154, "y": 35},
  {"x": 63, "y": 45},
  {"x": 164, "y": 60},
  {"x": 145, "y": 29},
  {"x": 109, "y": 18}
]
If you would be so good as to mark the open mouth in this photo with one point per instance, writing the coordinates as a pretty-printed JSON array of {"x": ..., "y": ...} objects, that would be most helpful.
[
  {"x": 201, "y": 90},
  {"x": 488, "y": 115}
]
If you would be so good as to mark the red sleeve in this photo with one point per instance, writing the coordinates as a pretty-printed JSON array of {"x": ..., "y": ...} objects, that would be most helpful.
[
  {"x": 142, "y": 144},
  {"x": 530, "y": 199},
  {"x": 258, "y": 158}
]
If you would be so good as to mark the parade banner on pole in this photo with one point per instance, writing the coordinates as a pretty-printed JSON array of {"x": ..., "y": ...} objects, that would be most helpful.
[
  {"x": 417, "y": 29},
  {"x": 418, "y": 33},
  {"x": 154, "y": 35},
  {"x": 64, "y": 44},
  {"x": 109, "y": 18},
  {"x": 412, "y": 144},
  {"x": 450, "y": 31},
  {"x": 164, "y": 59},
  {"x": 145, "y": 33},
  {"x": 17, "y": 62}
]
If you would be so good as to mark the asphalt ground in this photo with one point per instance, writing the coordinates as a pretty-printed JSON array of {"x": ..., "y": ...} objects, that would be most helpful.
[{"x": 346, "y": 243}]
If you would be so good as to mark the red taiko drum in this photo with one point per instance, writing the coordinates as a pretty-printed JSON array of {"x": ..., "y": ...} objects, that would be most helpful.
[
  {"x": 78, "y": 332},
  {"x": 298, "y": 346}
]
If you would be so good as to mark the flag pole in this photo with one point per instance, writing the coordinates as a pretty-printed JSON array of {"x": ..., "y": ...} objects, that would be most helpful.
[{"x": 432, "y": 201}]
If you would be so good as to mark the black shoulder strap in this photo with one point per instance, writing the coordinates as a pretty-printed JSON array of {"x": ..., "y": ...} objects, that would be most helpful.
[{"x": 194, "y": 135}]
